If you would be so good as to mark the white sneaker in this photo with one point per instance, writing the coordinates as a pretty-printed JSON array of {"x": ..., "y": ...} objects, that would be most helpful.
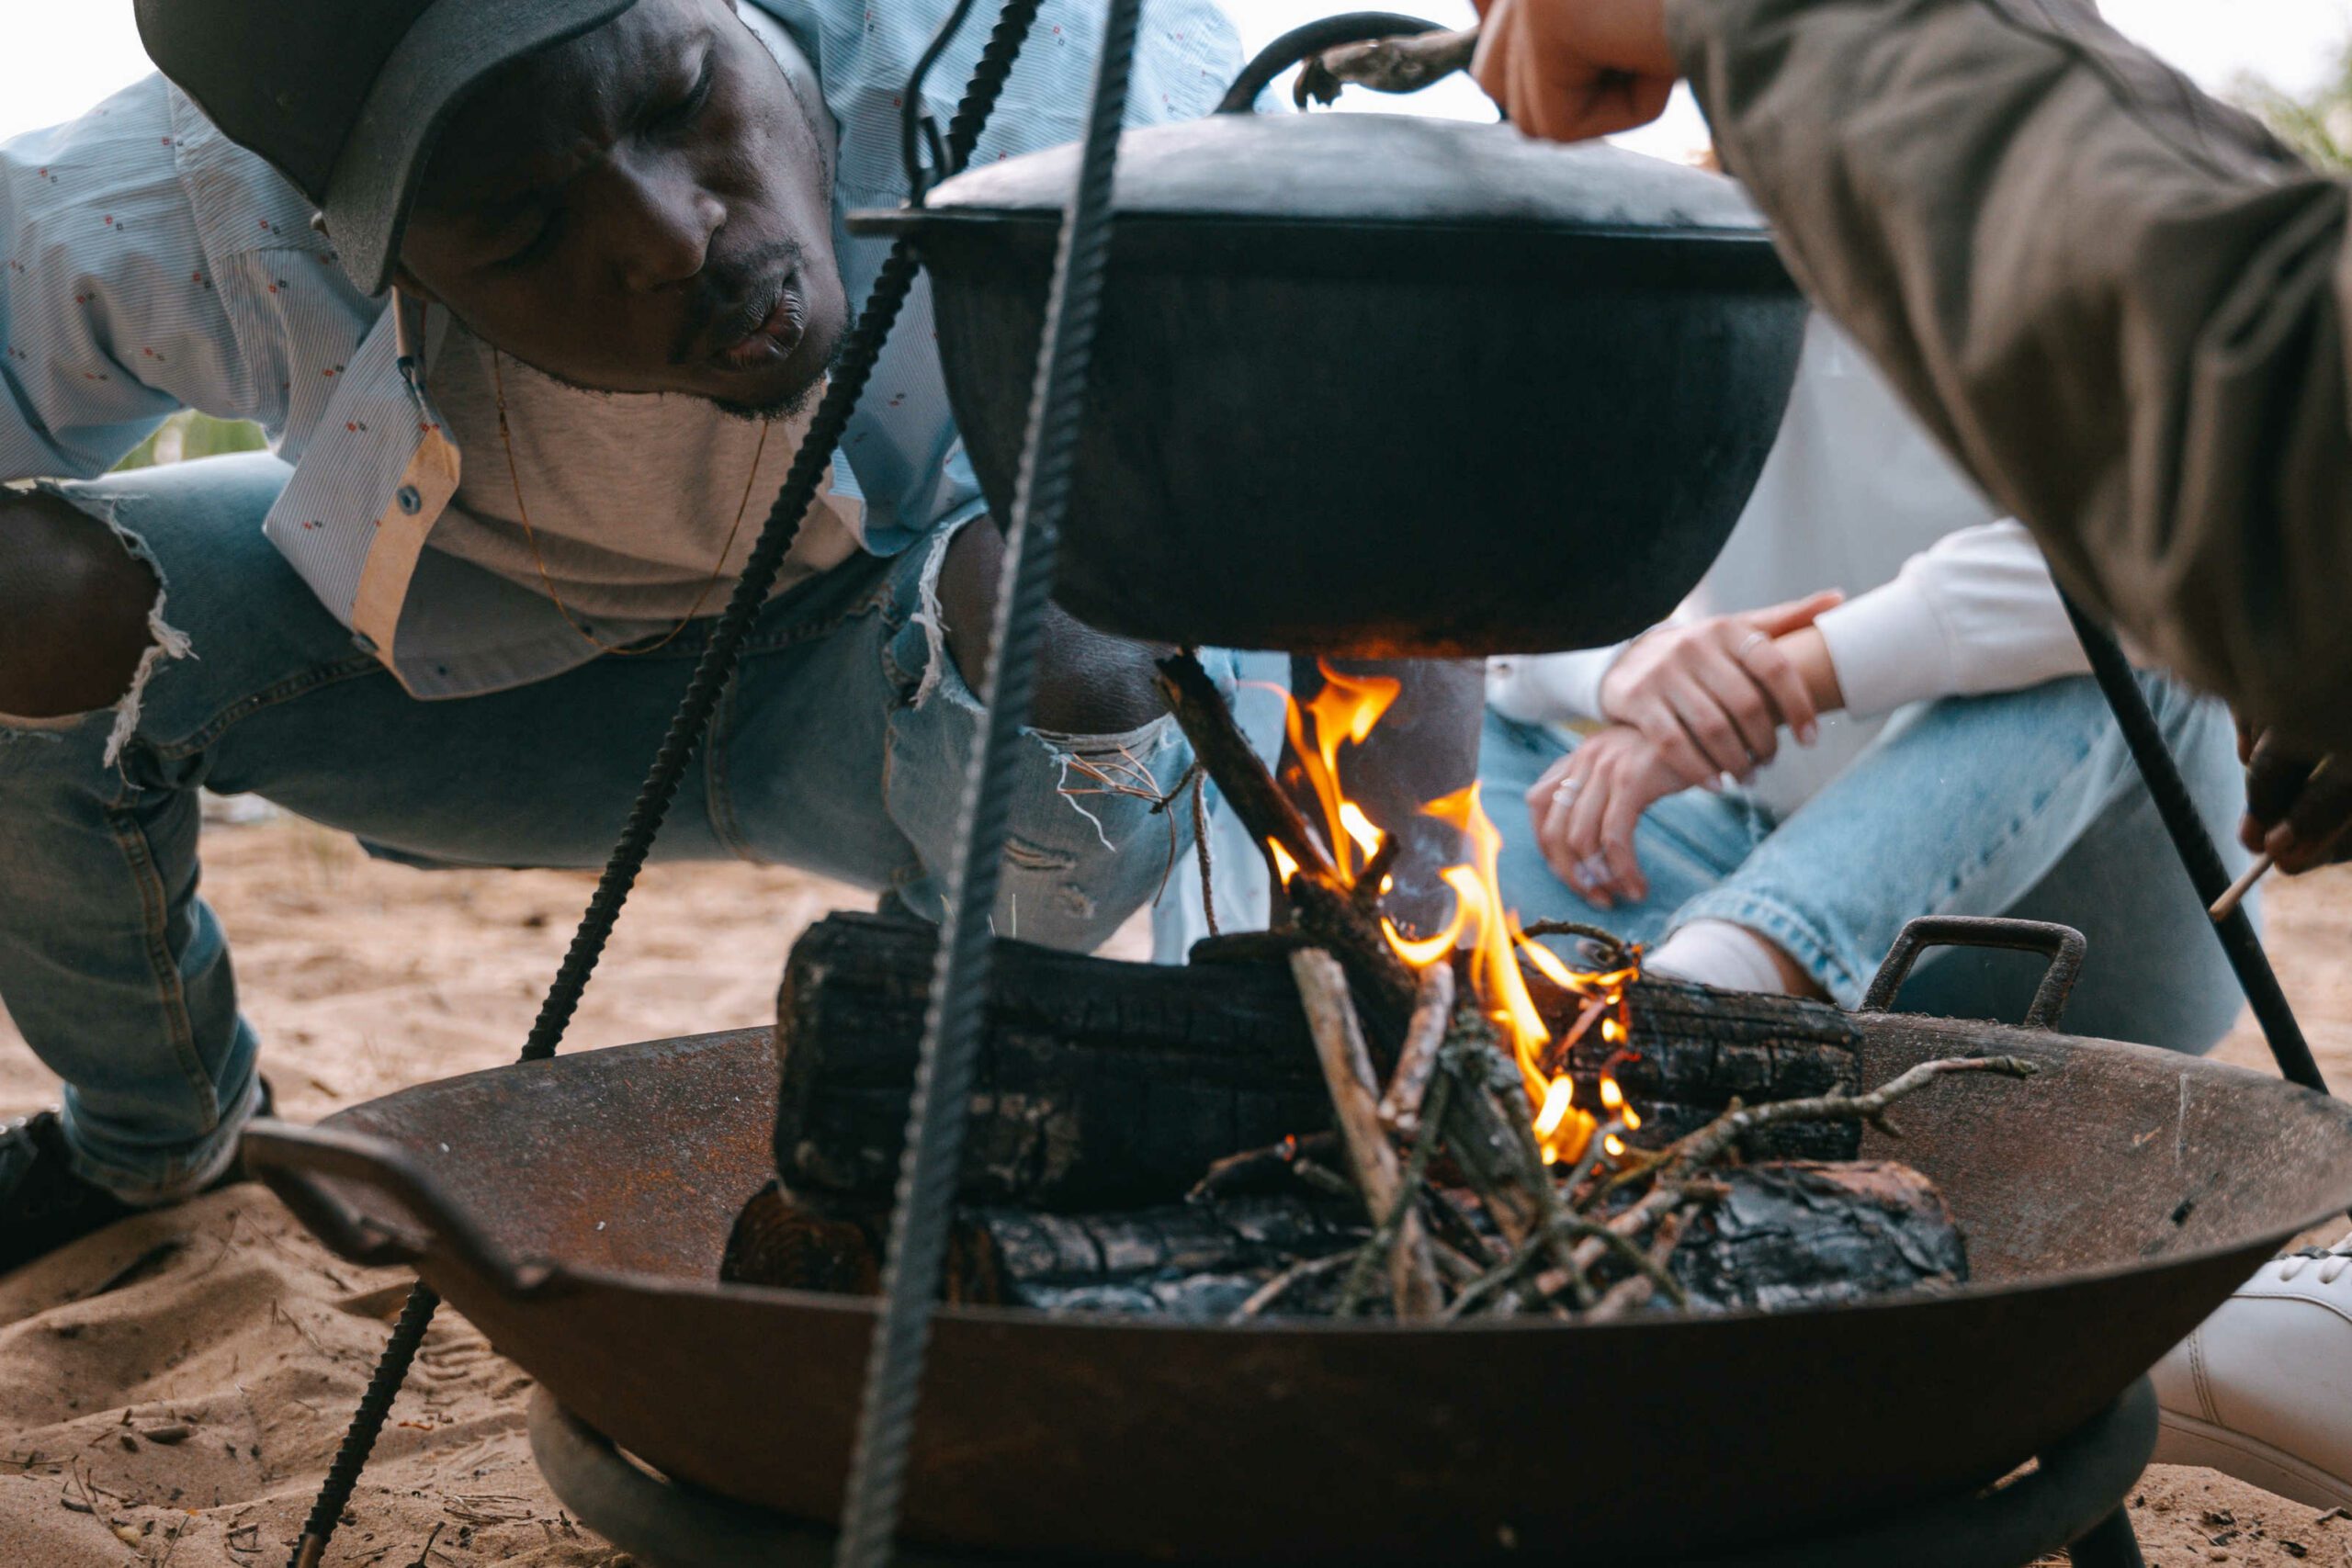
[{"x": 2263, "y": 1390}]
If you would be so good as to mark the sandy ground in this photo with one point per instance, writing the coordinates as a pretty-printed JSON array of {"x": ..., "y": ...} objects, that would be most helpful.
[{"x": 172, "y": 1389}]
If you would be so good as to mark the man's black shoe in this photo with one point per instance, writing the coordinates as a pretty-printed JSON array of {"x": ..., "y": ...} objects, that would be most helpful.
[{"x": 43, "y": 1205}]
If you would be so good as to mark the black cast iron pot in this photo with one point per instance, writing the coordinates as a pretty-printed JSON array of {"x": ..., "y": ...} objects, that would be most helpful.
[{"x": 1378, "y": 384}]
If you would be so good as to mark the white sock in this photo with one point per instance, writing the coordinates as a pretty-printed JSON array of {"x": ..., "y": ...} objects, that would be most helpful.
[{"x": 1717, "y": 953}]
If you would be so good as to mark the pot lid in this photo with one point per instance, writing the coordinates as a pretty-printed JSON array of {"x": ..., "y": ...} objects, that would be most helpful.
[{"x": 1368, "y": 168}]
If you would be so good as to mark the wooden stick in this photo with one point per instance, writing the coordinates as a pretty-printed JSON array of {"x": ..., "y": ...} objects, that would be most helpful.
[
  {"x": 1405, "y": 1208},
  {"x": 1681, "y": 1158},
  {"x": 1241, "y": 775},
  {"x": 1319, "y": 897},
  {"x": 1400, "y": 1108},
  {"x": 1263, "y": 1167},
  {"x": 1635, "y": 1289},
  {"x": 1279, "y": 1286},
  {"x": 2227, "y": 904},
  {"x": 1347, "y": 1073}
]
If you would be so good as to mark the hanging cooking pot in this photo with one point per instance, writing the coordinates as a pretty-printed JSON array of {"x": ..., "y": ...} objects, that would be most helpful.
[{"x": 1377, "y": 384}]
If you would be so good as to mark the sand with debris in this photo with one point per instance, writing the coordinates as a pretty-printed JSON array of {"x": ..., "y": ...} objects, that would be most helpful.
[{"x": 172, "y": 1389}]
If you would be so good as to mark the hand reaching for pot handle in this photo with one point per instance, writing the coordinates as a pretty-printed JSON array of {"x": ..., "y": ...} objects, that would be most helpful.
[
  {"x": 1567, "y": 70},
  {"x": 2296, "y": 809},
  {"x": 1712, "y": 695}
]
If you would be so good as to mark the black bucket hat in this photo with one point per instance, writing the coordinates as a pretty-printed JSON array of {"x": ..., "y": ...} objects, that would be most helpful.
[{"x": 345, "y": 98}]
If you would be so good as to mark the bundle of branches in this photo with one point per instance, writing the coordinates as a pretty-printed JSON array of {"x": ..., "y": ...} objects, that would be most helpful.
[
  {"x": 1601, "y": 1236},
  {"x": 1499, "y": 1229}
]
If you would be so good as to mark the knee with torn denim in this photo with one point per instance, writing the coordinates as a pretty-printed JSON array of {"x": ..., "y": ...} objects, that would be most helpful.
[
  {"x": 82, "y": 625},
  {"x": 1101, "y": 818}
]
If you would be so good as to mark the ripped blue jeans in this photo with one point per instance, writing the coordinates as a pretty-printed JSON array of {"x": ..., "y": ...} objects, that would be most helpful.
[{"x": 838, "y": 748}]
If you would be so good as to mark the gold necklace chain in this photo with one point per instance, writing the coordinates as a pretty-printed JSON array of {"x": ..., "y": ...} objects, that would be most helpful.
[{"x": 530, "y": 537}]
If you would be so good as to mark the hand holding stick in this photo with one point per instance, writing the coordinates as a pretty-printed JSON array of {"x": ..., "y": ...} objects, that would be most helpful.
[{"x": 2227, "y": 904}]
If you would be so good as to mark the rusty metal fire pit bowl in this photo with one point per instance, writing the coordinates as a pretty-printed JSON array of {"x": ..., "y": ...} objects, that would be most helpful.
[{"x": 575, "y": 1208}]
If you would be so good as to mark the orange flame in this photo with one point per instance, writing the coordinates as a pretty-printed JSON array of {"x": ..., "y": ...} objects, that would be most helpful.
[{"x": 1346, "y": 711}]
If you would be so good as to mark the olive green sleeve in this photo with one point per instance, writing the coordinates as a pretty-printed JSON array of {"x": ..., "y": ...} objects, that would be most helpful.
[{"x": 2120, "y": 304}]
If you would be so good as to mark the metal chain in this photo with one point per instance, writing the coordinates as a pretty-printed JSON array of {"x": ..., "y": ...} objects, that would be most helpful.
[
  {"x": 716, "y": 666},
  {"x": 926, "y": 1191}
]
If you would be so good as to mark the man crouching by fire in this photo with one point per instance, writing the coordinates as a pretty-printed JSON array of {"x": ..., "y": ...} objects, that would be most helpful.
[{"x": 533, "y": 298}]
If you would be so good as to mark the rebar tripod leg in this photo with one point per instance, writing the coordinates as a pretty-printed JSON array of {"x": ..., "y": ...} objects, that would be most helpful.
[
  {"x": 2195, "y": 845},
  {"x": 2110, "y": 1544}
]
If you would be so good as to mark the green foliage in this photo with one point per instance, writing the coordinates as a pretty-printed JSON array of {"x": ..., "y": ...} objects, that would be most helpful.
[
  {"x": 188, "y": 435},
  {"x": 2318, "y": 124}
]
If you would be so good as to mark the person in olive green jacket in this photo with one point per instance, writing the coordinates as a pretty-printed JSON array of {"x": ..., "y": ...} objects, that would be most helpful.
[
  {"x": 2120, "y": 304},
  {"x": 2123, "y": 306}
]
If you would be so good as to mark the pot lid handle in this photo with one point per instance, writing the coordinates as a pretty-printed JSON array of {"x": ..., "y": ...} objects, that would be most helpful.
[{"x": 1304, "y": 43}]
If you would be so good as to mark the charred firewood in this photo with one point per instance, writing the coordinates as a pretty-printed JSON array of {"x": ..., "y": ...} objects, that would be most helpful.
[
  {"x": 1774, "y": 1237},
  {"x": 1105, "y": 1085},
  {"x": 1804, "y": 1234},
  {"x": 782, "y": 1241},
  {"x": 1190, "y": 1261},
  {"x": 1101, "y": 1084}
]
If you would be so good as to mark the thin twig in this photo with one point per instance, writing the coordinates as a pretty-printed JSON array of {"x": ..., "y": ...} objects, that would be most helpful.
[
  {"x": 1635, "y": 1289},
  {"x": 1679, "y": 1159},
  {"x": 1347, "y": 1074},
  {"x": 1201, "y": 847},
  {"x": 1594, "y": 1147},
  {"x": 1567, "y": 1228},
  {"x": 1400, "y": 1108},
  {"x": 1391, "y": 1229},
  {"x": 1711, "y": 1141},
  {"x": 1252, "y": 1167},
  {"x": 1620, "y": 952},
  {"x": 1280, "y": 1284},
  {"x": 1368, "y": 888}
]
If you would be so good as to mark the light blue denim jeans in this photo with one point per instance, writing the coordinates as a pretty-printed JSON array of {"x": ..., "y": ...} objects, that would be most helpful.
[
  {"x": 839, "y": 748},
  {"x": 2023, "y": 804}
]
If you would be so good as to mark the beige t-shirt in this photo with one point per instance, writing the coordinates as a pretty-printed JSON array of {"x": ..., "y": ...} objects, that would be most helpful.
[{"x": 631, "y": 495}]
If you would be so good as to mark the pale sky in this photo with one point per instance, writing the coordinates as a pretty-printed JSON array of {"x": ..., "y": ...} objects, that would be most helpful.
[{"x": 57, "y": 57}]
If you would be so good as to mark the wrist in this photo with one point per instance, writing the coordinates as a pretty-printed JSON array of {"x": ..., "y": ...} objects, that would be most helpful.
[{"x": 1809, "y": 651}]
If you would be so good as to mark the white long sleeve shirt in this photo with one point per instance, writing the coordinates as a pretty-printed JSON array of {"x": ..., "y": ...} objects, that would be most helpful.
[{"x": 1945, "y": 597}]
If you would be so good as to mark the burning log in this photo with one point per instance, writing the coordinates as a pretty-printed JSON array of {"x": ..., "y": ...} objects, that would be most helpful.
[
  {"x": 1101, "y": 1084},
  {"x": 1692, "y": 1050}
]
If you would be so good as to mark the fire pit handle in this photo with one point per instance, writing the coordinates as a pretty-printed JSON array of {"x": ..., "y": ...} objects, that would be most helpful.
[
  {"x": 290, "y": 1159},
  {"x": 2063, "y": 945}
]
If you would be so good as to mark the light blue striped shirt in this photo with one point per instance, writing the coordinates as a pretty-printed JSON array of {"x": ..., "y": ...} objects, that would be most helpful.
[{"x": 151, "y": 265}]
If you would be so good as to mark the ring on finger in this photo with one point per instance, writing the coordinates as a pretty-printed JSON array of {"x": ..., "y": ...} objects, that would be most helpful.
[
  {"x": 1593, "y": 869},
  {"x": 1750, "y": 644},
  {"x": 1566, "y": 791}
]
